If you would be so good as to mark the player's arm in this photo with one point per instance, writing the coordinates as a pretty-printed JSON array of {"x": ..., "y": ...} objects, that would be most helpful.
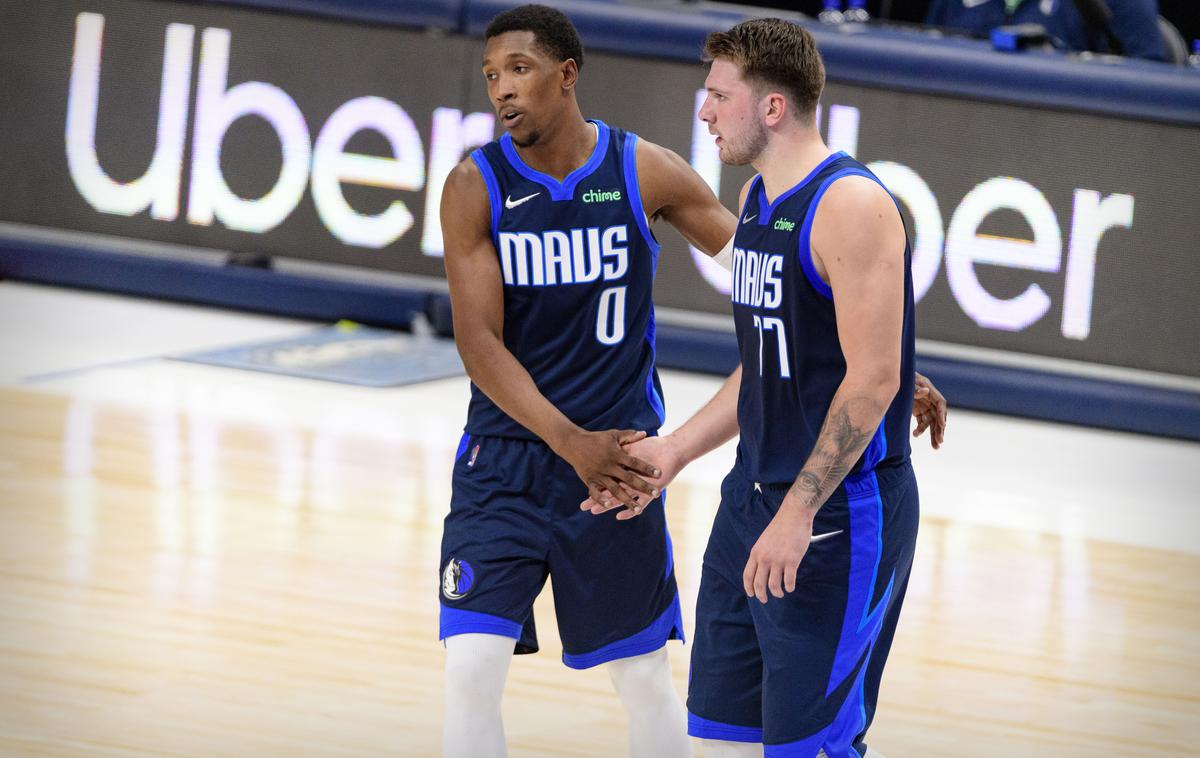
[
  {"x": 674, "y": 192},
  {"x": 477, "y": 304},
  {"x": 710, "y": 427},
  {"x": 857, "y": 241}
]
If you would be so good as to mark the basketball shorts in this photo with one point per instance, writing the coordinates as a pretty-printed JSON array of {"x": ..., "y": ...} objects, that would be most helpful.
[
  {"x": 514, "y": 520},
  {"x": 801, "y": 674}
]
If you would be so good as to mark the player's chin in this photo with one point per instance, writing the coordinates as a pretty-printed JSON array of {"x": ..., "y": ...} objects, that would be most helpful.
[{"x": 523, "y": 137}]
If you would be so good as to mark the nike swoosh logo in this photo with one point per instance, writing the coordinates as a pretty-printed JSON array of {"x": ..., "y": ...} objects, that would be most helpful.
[
  {"x": 510, "y": 203},
  {"x": 748, "y": 219},
  {"x": 973, "y": 3},
  {"x": 825, "y": 536}
]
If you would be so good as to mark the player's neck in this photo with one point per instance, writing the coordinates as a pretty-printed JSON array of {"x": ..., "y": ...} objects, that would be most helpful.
[
  {"x": 564, "y": 146},
  {"x": 788, "y": 158}
]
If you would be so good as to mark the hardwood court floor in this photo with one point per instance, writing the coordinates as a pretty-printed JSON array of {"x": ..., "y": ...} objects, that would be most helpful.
[{"x": 203, "y": 562}]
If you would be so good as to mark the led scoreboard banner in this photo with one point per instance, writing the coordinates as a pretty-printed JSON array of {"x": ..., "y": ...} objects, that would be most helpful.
[{"x": 1035, "y": 231}]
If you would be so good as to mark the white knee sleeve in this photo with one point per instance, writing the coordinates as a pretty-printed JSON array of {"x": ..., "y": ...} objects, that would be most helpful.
[
  {"x": 476, "y": 667},
  {"x": 657, "y": 720}
]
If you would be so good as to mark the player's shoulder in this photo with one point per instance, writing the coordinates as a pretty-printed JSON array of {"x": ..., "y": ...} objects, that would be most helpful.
[
  {"x": 854, "y": 193},
  {"x": 652, "y": 157},
  {"x": 664, "y": 176},
  {"x": 466, "y": 192},
  {"x": 856, "y": 211},
  {"x": 465, "y": 178}
]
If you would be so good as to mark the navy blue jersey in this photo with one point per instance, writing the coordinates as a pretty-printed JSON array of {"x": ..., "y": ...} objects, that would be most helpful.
[
  {"x": 792, "y": 360},
  {"x": 577, "y": 259}
]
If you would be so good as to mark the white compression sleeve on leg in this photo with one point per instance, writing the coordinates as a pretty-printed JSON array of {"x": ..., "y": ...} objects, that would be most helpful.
[
  {"x": 657, "y": 719},
  {"x": 725, "y": 258},
  {"x": 726, "y": 749},
  {"x": 476, "y": 667}
]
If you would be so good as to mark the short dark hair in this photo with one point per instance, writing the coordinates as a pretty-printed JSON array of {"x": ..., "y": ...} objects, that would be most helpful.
[
  {"x": 773, "y": 52},
  {"x": 552, "y": 31}
]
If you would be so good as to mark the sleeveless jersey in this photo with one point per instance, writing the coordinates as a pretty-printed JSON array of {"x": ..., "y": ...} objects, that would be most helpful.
[
  {"x": 577, "y": 260},
  {"x": 792, "y": 360}
]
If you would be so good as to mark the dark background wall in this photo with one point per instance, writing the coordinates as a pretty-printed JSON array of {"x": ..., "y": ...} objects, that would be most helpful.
[{"x": 1184, "y": 14}]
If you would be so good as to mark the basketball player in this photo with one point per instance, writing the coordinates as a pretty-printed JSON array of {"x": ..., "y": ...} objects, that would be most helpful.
[
  {"x": 550, "y": 260},
  {"x": 810, "y": 551}
]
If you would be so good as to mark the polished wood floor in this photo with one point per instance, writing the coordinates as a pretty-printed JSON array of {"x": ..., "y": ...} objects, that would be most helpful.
[{"x": 179, "y": 579}]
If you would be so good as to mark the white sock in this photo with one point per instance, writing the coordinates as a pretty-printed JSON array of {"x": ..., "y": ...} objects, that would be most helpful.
[
  {"x": 476, "y": 667},
  {"x": 657, "y": 719},
  {"x": 726, "y": 749}
]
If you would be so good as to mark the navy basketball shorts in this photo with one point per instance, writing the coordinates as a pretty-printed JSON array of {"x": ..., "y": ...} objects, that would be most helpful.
[
  {"x": 514, "y": 520},
  {"x": 801, "y": 674}
]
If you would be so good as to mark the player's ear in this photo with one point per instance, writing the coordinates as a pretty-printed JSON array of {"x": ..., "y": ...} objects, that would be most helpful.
[
  {"x": 569, "y": 72},
  {"x": 775, "y": 106}
]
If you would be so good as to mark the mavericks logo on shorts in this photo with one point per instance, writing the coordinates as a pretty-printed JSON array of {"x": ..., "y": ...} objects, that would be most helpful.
[{"x": 457, "y": 579}]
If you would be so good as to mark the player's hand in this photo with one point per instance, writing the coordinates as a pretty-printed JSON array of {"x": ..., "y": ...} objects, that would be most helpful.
[
  {"x": 612, "y": 475},
  {"x": 657, "y": 451},
  {"x": 776, "y": 555},
  {"x": 929, "y": 409}
]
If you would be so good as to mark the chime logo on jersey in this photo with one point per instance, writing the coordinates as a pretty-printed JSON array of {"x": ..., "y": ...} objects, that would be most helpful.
[
  {"x": 457, "y": 579},
  {"x": 601, "y": 196},
  {"x": 554, "y": 257},
  {"x": 756, "y": 278}
]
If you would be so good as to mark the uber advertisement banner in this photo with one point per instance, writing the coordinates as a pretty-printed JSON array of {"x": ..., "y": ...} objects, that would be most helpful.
[{"x": 1035, "y": 231}]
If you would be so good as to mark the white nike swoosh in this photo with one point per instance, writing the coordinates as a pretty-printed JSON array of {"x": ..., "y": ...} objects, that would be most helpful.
[
  {"x": 510, "y": 203},
  {"x": 973, "y": 3},
  {"x": 748, "y": 219},
  {"x": 826, "y": 535}
]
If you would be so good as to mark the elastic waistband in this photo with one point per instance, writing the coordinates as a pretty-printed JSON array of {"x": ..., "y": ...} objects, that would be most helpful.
[
  {"x": 535, "y": 440},
  {"x": 887, "y": 477}
]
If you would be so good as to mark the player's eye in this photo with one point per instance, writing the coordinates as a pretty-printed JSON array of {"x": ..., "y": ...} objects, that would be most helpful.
[
  {"x": 490, "y": 75},
  {"x": 521, "y": 69}
]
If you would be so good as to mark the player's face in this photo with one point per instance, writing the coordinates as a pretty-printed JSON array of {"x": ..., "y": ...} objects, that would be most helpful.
[
  {"x": 730, "y": 110},
  {"x": 523, "y": 84}
]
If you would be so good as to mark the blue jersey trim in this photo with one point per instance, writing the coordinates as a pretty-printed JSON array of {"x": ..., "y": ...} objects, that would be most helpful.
[
  {"x": 877, "y": 449},
  {"x": 668, "y": 626},
  {"x": 767, "y": 210},
  {"x": 805, "y": 748},
  {"x": 493, "y": 187},
  {"x": 564, "y": 190},
  {"x": 715, "y": 730},
  {"x": 805, "y": 246},
  {"x": 850, "y": 721},
  {"x": 861, "y": 623},
  {"x": 463, "y": 444},
  {"x": 755, "y": 185},
  {"x": 452, "y": 621},
  {"x": 670, "y": 548},
  {"x": 652, "y": 396},
  {"x": 633, "y": 189},
  {"x": 656, "y": 402}
]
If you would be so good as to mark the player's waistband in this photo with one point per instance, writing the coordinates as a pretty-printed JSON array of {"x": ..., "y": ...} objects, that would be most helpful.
[
  {"x": 521, "y": 434},
  {"x": 885, "y": 477}
]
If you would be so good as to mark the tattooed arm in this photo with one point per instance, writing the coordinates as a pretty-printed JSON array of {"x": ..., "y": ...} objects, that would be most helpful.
[{"x": 858, "y": 248}]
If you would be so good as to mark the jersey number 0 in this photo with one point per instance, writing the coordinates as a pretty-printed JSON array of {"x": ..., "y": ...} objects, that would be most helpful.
[{"x": 610, "y": 316}]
